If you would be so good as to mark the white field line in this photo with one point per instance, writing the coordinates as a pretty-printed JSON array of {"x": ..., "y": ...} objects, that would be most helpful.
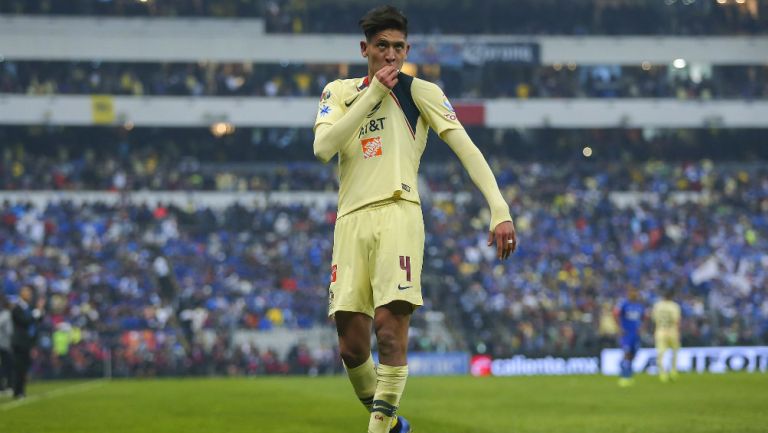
[{"x": 71, "y": 389}]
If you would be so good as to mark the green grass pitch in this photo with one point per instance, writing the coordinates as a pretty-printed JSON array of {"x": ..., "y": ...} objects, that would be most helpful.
[{"x": 731, "y": 403}]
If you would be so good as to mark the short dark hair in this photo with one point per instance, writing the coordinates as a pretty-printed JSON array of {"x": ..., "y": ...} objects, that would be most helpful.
[{"x": 383, "y": 18}]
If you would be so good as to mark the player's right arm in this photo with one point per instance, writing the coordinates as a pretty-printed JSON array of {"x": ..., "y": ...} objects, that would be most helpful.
[{"x": 333, "y": 127}]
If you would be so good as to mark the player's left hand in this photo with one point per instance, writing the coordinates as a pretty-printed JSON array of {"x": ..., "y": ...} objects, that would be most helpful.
[{"x": 506, "y": 239}]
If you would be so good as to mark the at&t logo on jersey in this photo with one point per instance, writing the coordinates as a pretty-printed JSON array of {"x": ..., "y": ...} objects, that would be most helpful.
[
  {"x": 371, "y": 147},
  {"x": 372, "y": 126}
]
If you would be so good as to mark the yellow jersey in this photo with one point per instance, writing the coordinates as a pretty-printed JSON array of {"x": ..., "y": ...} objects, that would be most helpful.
[
  {"x": 380, "y": 159},
  {"x": 666, "y": 316}
]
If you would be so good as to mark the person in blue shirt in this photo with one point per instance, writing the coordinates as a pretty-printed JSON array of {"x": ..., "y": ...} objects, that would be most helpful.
[{"x": 629, "y": 313}]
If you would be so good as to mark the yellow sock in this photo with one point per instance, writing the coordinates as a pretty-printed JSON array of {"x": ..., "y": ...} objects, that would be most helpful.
[
  {"x": 391, "y": 383},
  {"x": 674, "y": 362},
  {"x": 363, "y": 378}
]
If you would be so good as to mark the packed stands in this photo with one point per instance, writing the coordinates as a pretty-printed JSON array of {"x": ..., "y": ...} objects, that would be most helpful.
[
  {"x": 293, "y": 80},
  {"x": 615, "y": 17},
  {"x": 586, "y": 236}
]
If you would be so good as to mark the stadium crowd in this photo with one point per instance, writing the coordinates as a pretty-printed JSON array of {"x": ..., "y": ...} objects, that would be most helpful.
[
  {"x": 692, "y": 17},
  {"x": 288, "y": 80},
  {"x": 139, "y": 288},
  {"x": 277, "y": 159},
  {"x": 583, "y": 244}
]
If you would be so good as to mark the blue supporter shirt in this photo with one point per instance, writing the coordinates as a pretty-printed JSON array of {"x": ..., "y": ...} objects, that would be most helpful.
[{"x": 631, "y": 317}]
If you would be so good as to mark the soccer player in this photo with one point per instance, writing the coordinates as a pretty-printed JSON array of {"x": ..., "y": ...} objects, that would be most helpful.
[
  {"x": 666, "y": 317},
  {"x": 378, "y": 126},
  {"x": 629, "y": 313}
]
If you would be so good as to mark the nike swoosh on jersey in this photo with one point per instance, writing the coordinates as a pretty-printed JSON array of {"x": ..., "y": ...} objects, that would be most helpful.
[
  {"x": 399, "y": 287},
  {"x": 352, "y": 101}
]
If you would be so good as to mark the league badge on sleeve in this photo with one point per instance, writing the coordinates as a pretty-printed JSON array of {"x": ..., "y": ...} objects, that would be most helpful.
[
  {"x": 324, "y": 110},
  {"x": 451, "y": 114},
  {"x": 448, "y": 105}
]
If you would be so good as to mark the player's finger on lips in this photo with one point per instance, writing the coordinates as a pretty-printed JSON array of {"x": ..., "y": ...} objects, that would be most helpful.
[{"x": 384, "y": 73}]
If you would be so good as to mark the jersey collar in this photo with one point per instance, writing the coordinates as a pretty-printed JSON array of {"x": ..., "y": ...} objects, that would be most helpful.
[{"x": 365, "y": 83}]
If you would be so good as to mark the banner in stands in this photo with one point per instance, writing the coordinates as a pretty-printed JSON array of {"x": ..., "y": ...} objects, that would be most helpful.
[
  {"x": 480, "y": 54},
  {"x": 693, "y": 359},
  {"x": 457, "y": 54},
  {"x": 520, "y": 365},
  {"x": 102, "y": 109},
  {"x": 437, "y": 364}
]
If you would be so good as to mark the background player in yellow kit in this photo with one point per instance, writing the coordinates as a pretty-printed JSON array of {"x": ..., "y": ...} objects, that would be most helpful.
[
  {"x": 378, "y": 126},
  {"x": 666, "y": 318}
]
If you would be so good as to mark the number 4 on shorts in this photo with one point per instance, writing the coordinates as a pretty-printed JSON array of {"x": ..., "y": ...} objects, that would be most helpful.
[{"x": 405, "y": 264}]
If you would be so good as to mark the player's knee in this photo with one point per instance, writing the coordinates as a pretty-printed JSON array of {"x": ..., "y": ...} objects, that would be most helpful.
[
  {"x": 354, "y": 355},
  {"x": 354, "y": 351},
  {"x": 352, "y": 360},
  {"x": 390, "y": 343}
]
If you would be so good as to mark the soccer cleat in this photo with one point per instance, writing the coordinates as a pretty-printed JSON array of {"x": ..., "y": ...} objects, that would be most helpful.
[
  {"x": 625, "y": 382},
  {"x": 402, "y": 426},
  {"x": 663, "y": 377},
  {"x": 673, "y": 375}
]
